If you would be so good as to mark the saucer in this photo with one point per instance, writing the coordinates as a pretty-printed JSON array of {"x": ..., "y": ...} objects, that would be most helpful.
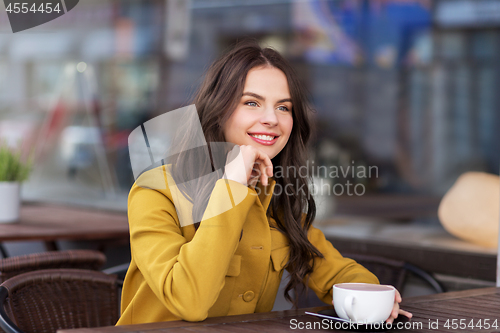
[{"x": 346, "y": 325}]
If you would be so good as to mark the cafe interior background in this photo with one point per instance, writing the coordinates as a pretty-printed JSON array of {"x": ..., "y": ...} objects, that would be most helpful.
[{"x": 408, "y": 86}]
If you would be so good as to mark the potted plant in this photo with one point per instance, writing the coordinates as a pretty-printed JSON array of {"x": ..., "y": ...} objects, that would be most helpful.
[{"x": 13, "y": 171}]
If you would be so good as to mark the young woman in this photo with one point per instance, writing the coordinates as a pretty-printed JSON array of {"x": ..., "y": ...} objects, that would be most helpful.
[{"x": 231, "y": 258}]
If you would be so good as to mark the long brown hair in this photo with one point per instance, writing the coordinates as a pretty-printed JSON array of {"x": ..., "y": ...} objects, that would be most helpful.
[{"x": 215, "y": 101}]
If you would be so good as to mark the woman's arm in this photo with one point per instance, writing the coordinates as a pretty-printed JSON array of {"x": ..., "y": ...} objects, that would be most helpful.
[
  {"x": 187, "y": 276},
  {"x": 333, "y": 268}
]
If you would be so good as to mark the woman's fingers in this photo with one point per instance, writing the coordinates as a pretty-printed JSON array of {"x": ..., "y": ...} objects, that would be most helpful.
[
  {"x": 261, "y": 164},
  {"x": 254, "y": 176},
  {"x": 249, "y": 166},
  {"x": 398, "y": 297},
  {"x": 396, "y": 311},
  {"x": 400, "y": 312},
  {"x": 405, "y": 313},
  {"x": 265, "y": 167},
  {"x": 260, "y": 172}
]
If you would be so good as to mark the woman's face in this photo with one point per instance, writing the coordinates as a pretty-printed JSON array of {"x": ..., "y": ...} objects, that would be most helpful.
[{"x": 263, "y": 117}]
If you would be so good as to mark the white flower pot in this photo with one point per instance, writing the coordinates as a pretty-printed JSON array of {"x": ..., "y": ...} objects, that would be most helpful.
[{"x": 10, "y": 201}]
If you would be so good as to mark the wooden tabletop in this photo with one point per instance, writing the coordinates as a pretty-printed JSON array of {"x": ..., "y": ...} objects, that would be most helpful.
[
  {"x": 457, "y": 311},
  {"x": 447, "y": 312},
  {"x": 45, "y": 222}
]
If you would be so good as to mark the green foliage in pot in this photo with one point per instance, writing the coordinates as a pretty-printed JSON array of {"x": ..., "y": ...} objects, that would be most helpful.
[{"x": 12, "y": 167}]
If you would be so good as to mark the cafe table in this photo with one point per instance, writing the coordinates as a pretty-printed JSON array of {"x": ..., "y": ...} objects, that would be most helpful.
[
  {"x": 50, "y": 223},
  {"x": 475, "y": 310}
]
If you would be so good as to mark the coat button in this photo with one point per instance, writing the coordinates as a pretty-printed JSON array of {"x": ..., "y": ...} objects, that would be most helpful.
[{"x": 248, "y": 296}]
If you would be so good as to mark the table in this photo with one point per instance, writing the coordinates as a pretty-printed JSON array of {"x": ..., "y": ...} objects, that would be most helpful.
[
  {"x": 474, "y": 305},
  {"x": 50, "y": 223},
  {"x": 430, "y": 314}
]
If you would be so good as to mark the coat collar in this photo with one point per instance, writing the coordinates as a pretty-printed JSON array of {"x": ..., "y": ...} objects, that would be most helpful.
[{"x": 265, "y": 193}]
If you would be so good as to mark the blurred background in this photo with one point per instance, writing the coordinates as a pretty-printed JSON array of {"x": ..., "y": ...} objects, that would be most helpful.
[{"x": 408, "y": 86}]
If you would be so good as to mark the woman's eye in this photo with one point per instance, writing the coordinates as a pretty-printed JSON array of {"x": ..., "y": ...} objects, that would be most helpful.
[
  {"x": 283, "y": 108},
  {"x": 251, "y": 103}
]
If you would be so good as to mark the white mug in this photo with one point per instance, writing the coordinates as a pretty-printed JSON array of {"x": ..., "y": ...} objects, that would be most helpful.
[{"x": 363, "y": 302}]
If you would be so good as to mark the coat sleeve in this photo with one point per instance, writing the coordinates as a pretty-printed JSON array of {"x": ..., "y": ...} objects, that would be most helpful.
[
  {"x": 333, "y": 268},
  {"x": 186, "y": 276}
]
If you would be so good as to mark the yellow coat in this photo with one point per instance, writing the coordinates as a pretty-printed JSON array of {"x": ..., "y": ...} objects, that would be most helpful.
[{"x": 232, "y": 265}]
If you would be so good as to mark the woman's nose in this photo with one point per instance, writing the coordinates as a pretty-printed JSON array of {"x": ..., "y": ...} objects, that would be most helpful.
[{"x": 269, "y": 117}]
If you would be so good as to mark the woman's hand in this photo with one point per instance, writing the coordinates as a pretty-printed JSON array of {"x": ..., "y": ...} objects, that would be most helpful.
[
  {"x": 396, "y": 310},
  {"x": 248, "y": 165}
]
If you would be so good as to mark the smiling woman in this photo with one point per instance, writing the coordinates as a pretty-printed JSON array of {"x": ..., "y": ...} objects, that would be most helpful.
[
  {"x": 263, "y": 118},
  {"x": 243, "y": 234}
]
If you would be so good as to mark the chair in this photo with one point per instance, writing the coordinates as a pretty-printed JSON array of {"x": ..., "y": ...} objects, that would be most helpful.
[
  {"x": 83, "y": 259},
  {"x": 47, "y": 300},
  {"x": 388, "y": 271},
  {"x": 394, "y": 272}
]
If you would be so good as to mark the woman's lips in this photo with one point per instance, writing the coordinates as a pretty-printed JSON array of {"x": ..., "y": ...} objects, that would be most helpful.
[{"x": 262, "y": 141}]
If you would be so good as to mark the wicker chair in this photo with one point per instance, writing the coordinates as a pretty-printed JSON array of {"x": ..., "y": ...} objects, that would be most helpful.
[
  {"x": 83, "y": 259},
  {"x": 388, "y": 271},
  {"x": 47, "y": 300}
]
